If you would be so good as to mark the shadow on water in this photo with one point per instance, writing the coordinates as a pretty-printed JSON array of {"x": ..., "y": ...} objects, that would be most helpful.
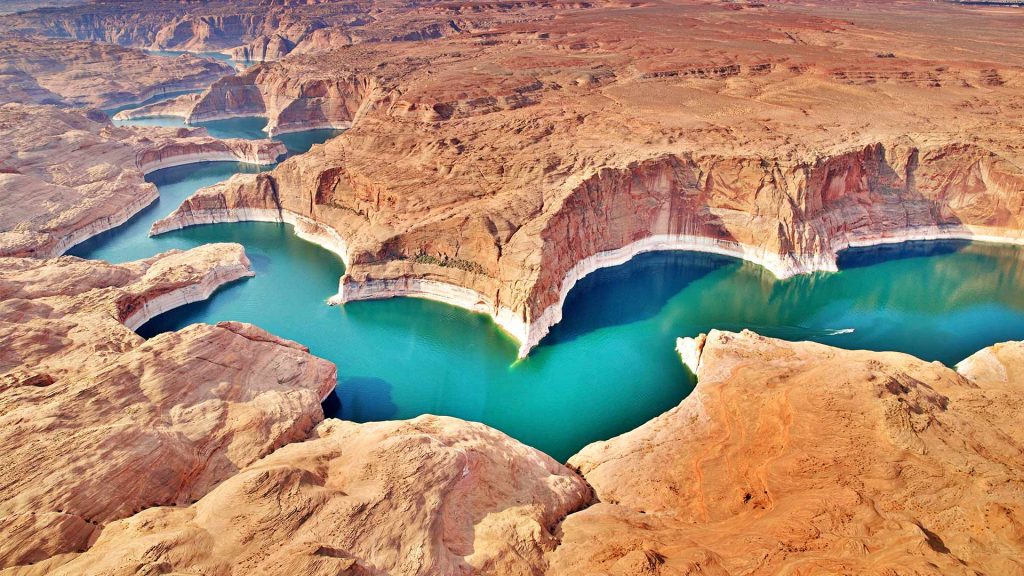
[
  {"x": 871, "y": 255},
  {"x": 373, "y": 402},
  {"x": 190, "y": 313},
  {"x": 629, "y": 293},
  {"x": 610, "y": 366}
]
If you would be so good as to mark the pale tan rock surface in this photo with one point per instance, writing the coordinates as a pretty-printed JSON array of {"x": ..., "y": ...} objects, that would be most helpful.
[
  {"x": 177, "y": 107},
  {"x": 798, "y": 458},
  {"x": 431, "y": 495},
  {"x": 492, "y": 170},
  {"x": 97, "y": 424},
  {"x": 258, "y": 30},
  {"x": 37, "y": 70},
  {"x": 66, "y": 176},
  {"x": 788, "y": 458}
]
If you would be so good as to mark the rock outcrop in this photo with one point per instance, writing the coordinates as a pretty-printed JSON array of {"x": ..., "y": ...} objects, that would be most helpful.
[
  {"x": 176, "y": 107},
  {"x": 787, "y": 458},
  {"x": 257, "y": 30},
  {"x": 99, "y": 180},
  {"x": 431, "y": 495},
  {"x": 799, "y": 458},
  {"x": 43, "y": 71},
  {"x": 97, "y": 424},
  {"x": 299, "y": 96},
  {"x": 492, "y": 171}
]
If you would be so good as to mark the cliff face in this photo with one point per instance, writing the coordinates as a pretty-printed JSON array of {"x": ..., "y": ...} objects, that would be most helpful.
[
  {"x": 787, "y": 457},
  {"x": 99, "y": 183},
  {"x": 98, "y": 424},
  {"x": 42, "y": 71},
  {"x": 797, "y": 457},
  {"x": 291, "y": 97},
  {"x": 492, "y": 172},
  {"x": 255, "y": 30}
]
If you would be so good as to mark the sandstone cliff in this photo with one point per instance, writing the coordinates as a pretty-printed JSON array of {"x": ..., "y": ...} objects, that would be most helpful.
[
  {"x": 787, "y": 458},
  {"x": 99, "y": 181},
  {"x": 257, "y": 30},
  {"x": 42, "y": 71},
  {"x": 98, "y": 424},
  {"x": 492, "y": 171},
  {"x": 794, "y": 458}
]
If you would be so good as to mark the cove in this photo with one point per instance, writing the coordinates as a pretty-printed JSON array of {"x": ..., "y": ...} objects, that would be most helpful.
[{"x": 609, "y": 365}]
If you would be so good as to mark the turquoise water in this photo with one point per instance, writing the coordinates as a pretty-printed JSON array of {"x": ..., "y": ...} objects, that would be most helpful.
[
  {"x": 610, "y": 365},
  {"x": 157, "y": 98},
  {"x": 250, "y": 128},
  {"x": 176, "y": 53}
]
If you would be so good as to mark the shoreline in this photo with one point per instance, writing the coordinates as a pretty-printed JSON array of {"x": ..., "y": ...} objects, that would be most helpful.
[
  {"x": 97, "y": 227},
  {"x": 152, "y": 93},
  {"x": 200, "y": 157},
  {"x": 192, "y": 293},
  {"x": 303, "y": 227},
  {"x": 529, "y": 335}
]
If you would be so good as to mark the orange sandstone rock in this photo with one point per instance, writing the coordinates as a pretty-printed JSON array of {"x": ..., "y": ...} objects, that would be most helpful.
[
  {"x": 800, "y": 458},
  {"x": 430, "y": 495},
  {"x": 36, "y": 70},
  {"x": 66, "y": 176},
  {"x": 492, "y": 170},
  {"x": 97, "y": 424}
]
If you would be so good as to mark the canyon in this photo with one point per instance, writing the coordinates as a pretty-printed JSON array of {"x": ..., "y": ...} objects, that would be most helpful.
[
  {"x": 101, "y": 185},
  {"x": 493, "y": 156},
  {"x": 83, "y": 74},
  {"x": 896, "y": 465},
  {"x": 565, "y": 145}
]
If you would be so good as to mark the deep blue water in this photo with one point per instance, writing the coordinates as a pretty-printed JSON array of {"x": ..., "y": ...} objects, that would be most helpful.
[{"x": 610, "y": 365}]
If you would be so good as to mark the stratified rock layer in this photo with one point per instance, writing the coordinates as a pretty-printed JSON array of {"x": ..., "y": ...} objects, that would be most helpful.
[
  {"x": 257, "y": 30},
  {"x": 42, "y": 71},
  {"x": 492, "y": 170},
  {"x": 97, "y": 424},
  {"x": 798, "y": 458},
  {"x": 788, "y": 458},
  {"x": 66, "y": 176}
]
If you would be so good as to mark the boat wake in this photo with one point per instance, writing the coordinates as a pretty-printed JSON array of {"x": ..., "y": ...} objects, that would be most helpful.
[{"x": 788, "y": 332}]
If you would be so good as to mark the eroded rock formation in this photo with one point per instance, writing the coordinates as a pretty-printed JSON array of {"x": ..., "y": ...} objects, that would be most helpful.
[
  {"x": 256, "y": 30},
  {"x": 801, "y": 458},
  {"x": 97, "y": 424},
  {"x": 788, "y": 457},
  {"x": 98, "y": 182},
  {"x": 42, "y": 71},
  {"x": 427, "y": 496},
  {"x": 493, "y": 170}
]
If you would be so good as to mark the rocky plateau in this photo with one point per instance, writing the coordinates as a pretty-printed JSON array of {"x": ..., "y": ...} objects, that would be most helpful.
[
  {"x": 99, "y": 182},
  {"x": 492, "y": 170},
  {"x": 36, "y": 70},
  {"x": 495, "y": 153}
]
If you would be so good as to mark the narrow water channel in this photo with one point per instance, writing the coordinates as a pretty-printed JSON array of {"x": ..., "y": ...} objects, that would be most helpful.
[{"x": 610, "y": 365}]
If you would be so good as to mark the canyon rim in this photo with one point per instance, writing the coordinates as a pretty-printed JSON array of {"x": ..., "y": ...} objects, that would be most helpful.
[{"x": 494, "y": 157}]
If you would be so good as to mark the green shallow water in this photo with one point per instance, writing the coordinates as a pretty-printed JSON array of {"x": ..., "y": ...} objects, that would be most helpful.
[{"x": 610, "y": 365}]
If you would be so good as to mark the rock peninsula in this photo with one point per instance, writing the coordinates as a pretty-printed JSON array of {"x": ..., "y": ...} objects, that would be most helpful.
[
  {"x": 492, "y": 170},
  {"x": 85, "y": 74},
  {"x": 98, "y": 424},
  {"x": 100, "y": 181}
]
